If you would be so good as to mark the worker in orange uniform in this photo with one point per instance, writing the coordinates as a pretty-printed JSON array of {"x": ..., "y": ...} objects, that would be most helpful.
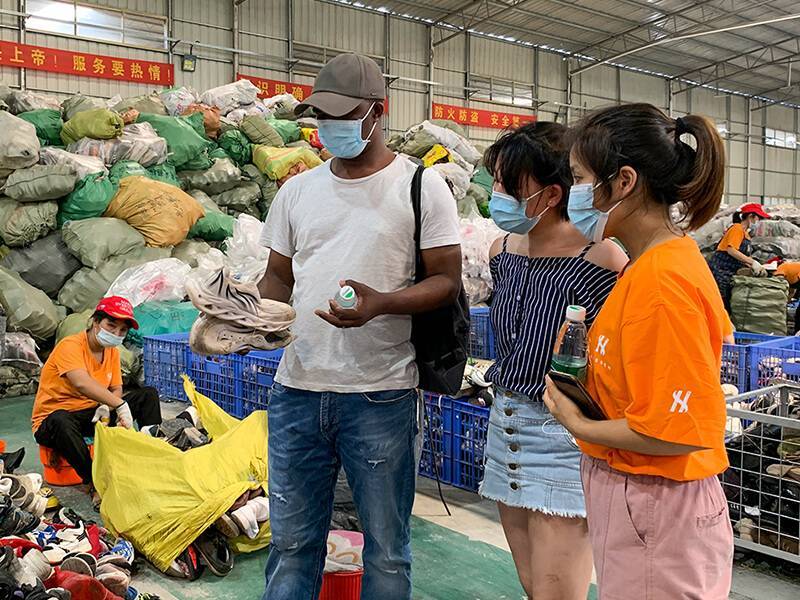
[
  {"x": 733, "y": 251},
  {"x": 791, "y": 272}
]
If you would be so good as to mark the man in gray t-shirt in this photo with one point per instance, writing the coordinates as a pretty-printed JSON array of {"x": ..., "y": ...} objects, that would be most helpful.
[{"x": 344, "y": 395}]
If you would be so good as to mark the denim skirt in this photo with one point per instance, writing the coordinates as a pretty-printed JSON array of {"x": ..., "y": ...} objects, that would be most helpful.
[{"x": 531, "y": 461}]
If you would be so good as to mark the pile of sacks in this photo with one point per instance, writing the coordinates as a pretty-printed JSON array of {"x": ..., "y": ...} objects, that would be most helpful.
[{"x": 131, "y": 195}]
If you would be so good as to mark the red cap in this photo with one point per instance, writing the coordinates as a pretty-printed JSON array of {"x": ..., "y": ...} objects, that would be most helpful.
[
  {"x": 119, "y": 308},
  {"x": 754, "y": 209}
]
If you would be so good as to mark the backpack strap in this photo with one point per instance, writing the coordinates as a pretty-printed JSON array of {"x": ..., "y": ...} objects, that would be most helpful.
[{"x": 416, "y": 203}]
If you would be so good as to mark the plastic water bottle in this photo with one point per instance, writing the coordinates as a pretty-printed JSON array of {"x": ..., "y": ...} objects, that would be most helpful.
[
  {"x": 569, "y": 352},
  {"x": 346, "y": 297}
]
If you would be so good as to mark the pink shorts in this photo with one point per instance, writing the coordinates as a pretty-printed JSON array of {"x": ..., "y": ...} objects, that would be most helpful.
[{"x": 654, "y": 538}]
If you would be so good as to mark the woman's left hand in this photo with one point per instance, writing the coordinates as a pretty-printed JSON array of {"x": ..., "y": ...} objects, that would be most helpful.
[{"x": 562, "y": 407}]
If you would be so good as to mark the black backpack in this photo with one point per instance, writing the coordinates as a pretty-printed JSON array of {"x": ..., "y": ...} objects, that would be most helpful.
[{"x": 440, "y": 336}]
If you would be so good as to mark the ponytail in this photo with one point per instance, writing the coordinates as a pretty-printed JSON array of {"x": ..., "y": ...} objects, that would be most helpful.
[
  {"x": 670, "y": 171},
  {"x": 737, "y": 217},
  {"x": 701, "y": 195}
]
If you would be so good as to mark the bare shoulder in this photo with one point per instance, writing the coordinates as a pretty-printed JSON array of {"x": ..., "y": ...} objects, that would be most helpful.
[
  {"x": 496, "y": 248},
  {"x": 608, "y": 255}
]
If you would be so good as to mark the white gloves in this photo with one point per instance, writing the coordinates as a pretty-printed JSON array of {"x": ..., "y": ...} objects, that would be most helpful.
[
  {"x": 124, "y": 416},
  {"x": 758, "y": 269},
  {"x": 103, "y": 413}
]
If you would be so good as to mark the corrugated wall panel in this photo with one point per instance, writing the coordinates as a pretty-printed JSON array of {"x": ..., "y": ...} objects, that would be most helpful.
[
  {"x": 708, "y": 103},
  {"x": 338, "y": 27},
  {"x": 780, "y": 117},
  {"x": 637, "y": 87},
  {"x": 263, "y": 29},
  {"x": 492, "y": 58},
  {"x": 408, "y": 41},
  {"x": 210, "y": 22},
  {"x": 151, "y": 7},
  {"x": 599, "y": 83}
]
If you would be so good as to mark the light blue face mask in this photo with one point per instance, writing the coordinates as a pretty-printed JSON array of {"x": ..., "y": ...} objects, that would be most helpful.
[
  {"x": 590, "y": 221},
  {"x": 509, "y": 213},
  {"x": 343, "y": 138},
  {"x": 108, "y": 339}
]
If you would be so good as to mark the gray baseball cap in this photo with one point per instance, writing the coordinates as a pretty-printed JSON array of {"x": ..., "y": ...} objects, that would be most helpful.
[{"x": 343, "y": 83}]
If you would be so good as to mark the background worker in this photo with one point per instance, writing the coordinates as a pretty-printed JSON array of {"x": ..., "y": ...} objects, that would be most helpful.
[
  {"x": 733, "y": 251},
  {"x": 83, "y": 373}
]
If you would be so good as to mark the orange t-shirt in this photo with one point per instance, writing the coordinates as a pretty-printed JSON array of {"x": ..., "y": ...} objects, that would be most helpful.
[
  {"x": 654, "y": 359},
  {"x": 56, "y": 392},
  {"x": 733, "y": 237},
  {"x": 791, "y": 271}
]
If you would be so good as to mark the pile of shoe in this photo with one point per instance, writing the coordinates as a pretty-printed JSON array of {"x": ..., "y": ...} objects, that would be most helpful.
[
  {"x": 234, "y": 317},
  {"x": 184, "y": 431},
  {"x": 250, "y": 510}
]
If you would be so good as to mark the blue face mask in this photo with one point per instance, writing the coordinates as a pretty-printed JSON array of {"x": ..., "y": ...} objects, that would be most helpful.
[
  {"x": 509, "y": 213},
  {"x": 343, "y": 138},
  {"x": 590, "y": 221},
  {"x": 108, "y": 339}
]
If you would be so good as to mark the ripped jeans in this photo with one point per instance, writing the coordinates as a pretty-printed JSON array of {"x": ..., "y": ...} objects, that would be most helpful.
[{"x": 312, "y": 435}]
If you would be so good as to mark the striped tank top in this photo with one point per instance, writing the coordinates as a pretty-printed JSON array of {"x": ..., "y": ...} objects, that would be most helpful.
[{"x": 530, "y": 299}]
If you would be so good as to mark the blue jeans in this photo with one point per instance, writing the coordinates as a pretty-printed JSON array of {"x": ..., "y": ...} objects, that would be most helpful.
[{"x": 312, "y": 435}]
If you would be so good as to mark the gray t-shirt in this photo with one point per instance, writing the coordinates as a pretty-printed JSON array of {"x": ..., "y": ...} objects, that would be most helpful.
[{"x": 359, "y": 229}]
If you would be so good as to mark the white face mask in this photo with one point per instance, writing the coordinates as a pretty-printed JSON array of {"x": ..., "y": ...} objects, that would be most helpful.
[{"x": 108, "y": 339}]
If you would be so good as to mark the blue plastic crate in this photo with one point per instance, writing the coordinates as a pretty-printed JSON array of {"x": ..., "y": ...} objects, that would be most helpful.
[
  {"x": 776, "y": 358},
  {"x": 437, "y": 438},
  {"x": 258, "y": 374},
  {"x": 481, "y": 335},
  {"x": 220, "y": 378},
  {"x": 470, "y": 423},
  {"x": 165, "y": 361}
]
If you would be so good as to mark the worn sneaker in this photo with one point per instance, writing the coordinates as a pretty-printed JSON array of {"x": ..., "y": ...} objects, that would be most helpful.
[
  {"x": 215, "y": 553},
  {"x": 14, "y": 521},
  {"x": 186, "y": 566},
  {"x": 245, "y": 519}
]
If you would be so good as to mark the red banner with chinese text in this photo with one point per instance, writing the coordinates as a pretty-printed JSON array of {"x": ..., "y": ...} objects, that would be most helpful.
[
  {"x": 273, "y": 87},
  {"x": 480, "y": 118},
  {"x": 84, "y": 64}
]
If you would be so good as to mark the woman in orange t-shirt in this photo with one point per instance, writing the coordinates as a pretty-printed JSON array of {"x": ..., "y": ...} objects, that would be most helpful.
[{"x": 657, "y": 515}]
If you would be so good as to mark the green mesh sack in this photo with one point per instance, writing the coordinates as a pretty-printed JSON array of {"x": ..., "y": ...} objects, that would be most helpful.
[
  {"x": 90, "y": 198},
  {"x": 217, "y": 153},
  {"x": 165, "y": 173},
  {"x": 288, "y": 130},
  {"x": 48, "y": 124},
  {"x": 237, "y": 146},
  {"x": 125, "y": 168},
  {"x": 483, "y": 178},
  {"x": 186, "y": 141},
  {"x": 259, "y": 131}
]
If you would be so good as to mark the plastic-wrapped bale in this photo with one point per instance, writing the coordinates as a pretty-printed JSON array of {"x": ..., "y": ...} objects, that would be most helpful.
[
  {"x": 15, "y": 382},
  {"x": 100, "y": 124},
  {"x": 27, "y": 309},
  {"x": 162, "y": 213},
  {"x": 164, "y": 173},
  {"x": 19, "y": 145},
  {"x": 215, "y": 226},
  {"x": 268, "y": 188},
  {"x": 89, "y": 199},
  {"x": 288, "y": 130},
  {"x": 256, "y": 109},
  {"x": 282, "y": 106},
  {"x": 451, "y": 125},
  {"x": 277, "y": 162},
  {"x": 83, "y": 165},
  {"x": 241, "y": 199},
  {"x": 223, "y": 175},
  {"x": 758, "y": 304},
  {"x": 94, "y": 241},
  {"x": 48, "y": 124},
  {"x": 479, "y": 199},
  {"x": 156, "y": 318},
  {"x": 237, "y": 146},
  {"x": 210, "y": 118},
  {"x": 184, "y": 142},
  {"x": 109, "y": 151},
  {"x": 138, "y": 142},
  {"x": 259, "y": 131},
  {"x": 20, "y": 101},
  {"x": 46, "y": 264},
  {"x": 125, "y": 168},
  {"x": 23, "y": 224},
  {"x": 231, "y": 96},
  {"x": 189, "y": 251},
  {"x": 41, "y": 182},
  {"x": 158, "y": 280},
  {"x": 218, "y": 153},
  {"x": 395, "y": 142},
  {"x": 74, "y": 323},
  {"x": 477, "y": 235},
  {"x": 764, "y": 249},
  {"x": 456, "y": 177},
  {"x": 177, "y": 100},
  {"x": 149, "y": 104},
  {"x": 308, "y": 123},
  {"x": 80, "y": 103},
  {"x": 418, "y": 143},
  {"x": 87, "y": 286},
  {"x": 447, "y": 138}
]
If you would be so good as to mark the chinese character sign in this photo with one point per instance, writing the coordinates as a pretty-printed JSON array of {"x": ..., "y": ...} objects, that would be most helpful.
[
  {"x": 85, "y": 65},
  {"x": 480, "y": 118},
  {"x": 273, "y": 87}
]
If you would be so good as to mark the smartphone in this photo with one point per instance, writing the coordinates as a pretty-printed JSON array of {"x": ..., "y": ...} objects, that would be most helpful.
[{"x": 571, "y": 387}]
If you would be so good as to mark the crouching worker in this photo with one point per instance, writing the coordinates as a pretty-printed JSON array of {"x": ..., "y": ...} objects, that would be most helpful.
[{"x": 82, "y": 382}]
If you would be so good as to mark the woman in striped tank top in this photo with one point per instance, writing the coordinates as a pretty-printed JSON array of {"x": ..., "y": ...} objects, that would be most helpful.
[{"x": 543, "y": 265}]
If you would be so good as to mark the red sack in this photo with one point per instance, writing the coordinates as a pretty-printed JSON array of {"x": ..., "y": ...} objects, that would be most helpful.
[{"x": 82, "y": 587}]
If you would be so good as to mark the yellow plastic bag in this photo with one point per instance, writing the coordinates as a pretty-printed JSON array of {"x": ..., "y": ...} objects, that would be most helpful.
[
  {"x": 160, "y": 499},
  {"x": 435, "y": 155},
  {"x": 161, "y": 212},
  {"x": 275, "y": 163}
]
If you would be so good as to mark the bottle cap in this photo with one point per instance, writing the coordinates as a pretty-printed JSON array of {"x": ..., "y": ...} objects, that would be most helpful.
[
  {"x": 576, "y": 313},
  {"x": 346, "y": 297}
]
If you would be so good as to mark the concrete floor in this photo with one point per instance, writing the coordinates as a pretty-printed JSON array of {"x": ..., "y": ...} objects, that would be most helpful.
[{"x": 459, "y": 557}]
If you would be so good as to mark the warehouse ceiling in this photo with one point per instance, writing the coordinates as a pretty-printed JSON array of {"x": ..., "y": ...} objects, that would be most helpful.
[{"x": 761, "y": 60}]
